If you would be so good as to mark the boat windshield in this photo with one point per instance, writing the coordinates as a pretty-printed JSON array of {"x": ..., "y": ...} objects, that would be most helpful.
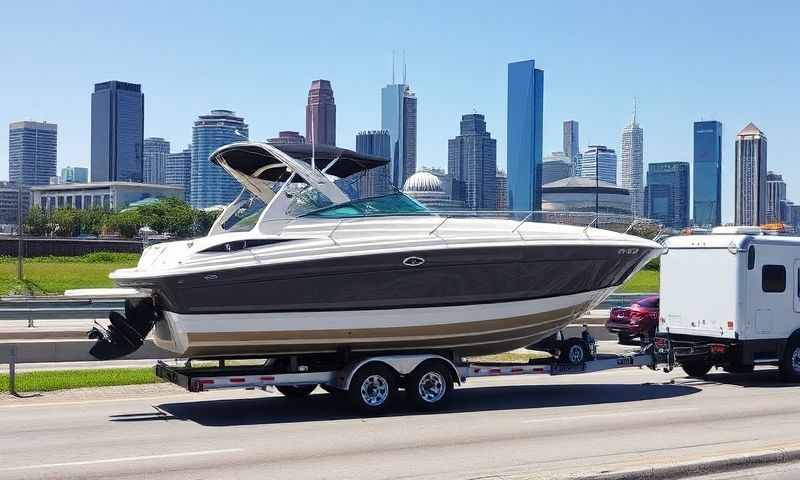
[
  {"x": 245, "y": 217},
  {"x": 393, "y": 204}
]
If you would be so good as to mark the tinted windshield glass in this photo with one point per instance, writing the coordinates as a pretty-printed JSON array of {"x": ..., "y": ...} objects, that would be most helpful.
[
  {"x": 246, "y": 216},
  {"x": 649, "y": 302},
  {"x": 396, "y": 204},
  {"x": 304, "y": 199}
]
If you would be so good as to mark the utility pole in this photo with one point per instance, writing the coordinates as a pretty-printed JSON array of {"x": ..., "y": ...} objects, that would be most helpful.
[
  {"x": 596, "y": 185},
  {"x": 19, "y": 231}
]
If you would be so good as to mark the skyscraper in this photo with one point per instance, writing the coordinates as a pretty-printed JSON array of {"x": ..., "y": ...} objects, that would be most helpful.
[
  {"x": 667, "y": 193},
  {"x": 286, "y": 137},
  {"x": 631, "y": 165},
  {"x": 117, "y": 132},
  {"x": 321, "y": 114},
  {"x": 156, "y": 150},
  {"x": 32, "y": 152},
  {"x": 375, "y": 182},
  {"x": 524, "y": 136},
  {"x": 502, "y": 190},
  {"x": 751, "y": 176},
  {"x": 599, "y": 157},
  {"x": 75, "y": 174},
  {"x": 776, "y": 195},
  {"x": 556, "y": 166},
  {"x": 572, "y": 141},
  {"x": 399, "y": 118},
  {"x": 210, "y": 184},
  {"x": 472, "y": 159},
  {"x": 179, "y": 170},
  {"x": 707, "y": 175}
]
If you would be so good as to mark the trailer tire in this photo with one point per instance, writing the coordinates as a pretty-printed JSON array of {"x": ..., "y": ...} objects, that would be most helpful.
[
  {"x": 430, "y": 385},
  {"x": 296, "y": 391},
  {"x": 373, "y": 388},
  {"x": 790, "y": 365},
  {"x": 696, "y": 368},
  {"x": 574, "y": 351}
]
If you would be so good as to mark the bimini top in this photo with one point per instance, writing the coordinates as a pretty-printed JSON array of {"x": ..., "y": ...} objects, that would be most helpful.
[{"x": 259, "y": 160}]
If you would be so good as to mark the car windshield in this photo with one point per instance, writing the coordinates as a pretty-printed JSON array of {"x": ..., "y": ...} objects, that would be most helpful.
[
  {"x": 648, "y": 302},
  {"x": 395, "y": 204}
]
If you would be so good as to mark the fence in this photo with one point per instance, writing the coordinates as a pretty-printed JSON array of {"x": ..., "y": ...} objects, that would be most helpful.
[{"x": 66, "y": 247}]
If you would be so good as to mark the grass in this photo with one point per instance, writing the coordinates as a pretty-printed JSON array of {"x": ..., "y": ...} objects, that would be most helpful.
[
  {"x": 48, "y": 381},
  {"x": 645, "y": 281},
  {"x": 47, "y": 275}
]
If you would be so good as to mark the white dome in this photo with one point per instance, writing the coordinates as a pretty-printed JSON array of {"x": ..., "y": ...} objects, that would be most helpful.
[{"x": 423, "y": 182}]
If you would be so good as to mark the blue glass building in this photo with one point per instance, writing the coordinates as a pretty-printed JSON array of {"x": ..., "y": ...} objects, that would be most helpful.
[
  {"x": 179, "y": 170},
  {"x": 707, "y": 173},
  {"x": 210, "y": 184},
  {"x": 156, "y": 150},
  {"x": 75, "y": 174},
  {"x": 667, "y": 193},
  {"x": 32, "y": 152},
  {"x": 376, "y": 181},
  {"x": 399, "y": 118},
  {"x": 117, "y": 132},
  {"x": 524, "y": 136}
]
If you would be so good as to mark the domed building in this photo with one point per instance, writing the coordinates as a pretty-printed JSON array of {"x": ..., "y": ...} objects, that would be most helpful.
[
  {"x": 579, "y": 194},
  {"x": 427, "y": 189}
]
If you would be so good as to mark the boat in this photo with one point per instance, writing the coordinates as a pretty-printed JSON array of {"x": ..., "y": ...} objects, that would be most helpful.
[{"x": 299, "y": 264}]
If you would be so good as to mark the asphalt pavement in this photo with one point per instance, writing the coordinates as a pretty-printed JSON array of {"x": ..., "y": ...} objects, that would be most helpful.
[{"x": 510, "y": 427}]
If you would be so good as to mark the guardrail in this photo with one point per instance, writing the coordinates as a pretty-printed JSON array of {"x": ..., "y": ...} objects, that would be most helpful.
[{"x": 56, "y": 308}]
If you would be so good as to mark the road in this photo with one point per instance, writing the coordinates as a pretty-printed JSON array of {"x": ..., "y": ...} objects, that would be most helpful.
[{"x": 536, "y": 427}]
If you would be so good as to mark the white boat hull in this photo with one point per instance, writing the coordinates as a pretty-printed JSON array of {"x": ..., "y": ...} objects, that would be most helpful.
[{"x": 464, "y": 329}]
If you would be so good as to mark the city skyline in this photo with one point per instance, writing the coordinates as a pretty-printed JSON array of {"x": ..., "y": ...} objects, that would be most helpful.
[{"x": 475, "y": 79}]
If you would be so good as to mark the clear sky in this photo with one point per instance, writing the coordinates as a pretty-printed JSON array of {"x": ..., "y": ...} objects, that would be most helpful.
[{"x": 732, "y": 61}]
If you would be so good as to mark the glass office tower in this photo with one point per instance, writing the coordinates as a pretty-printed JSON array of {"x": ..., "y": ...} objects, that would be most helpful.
[
  {"x": 32, "y": 152},
  {"x": 210, "y": 184},
  {"x": 524, "y": 136},
  {"x": 117, "y": 132},
  {"x": 707, "y": 173}
]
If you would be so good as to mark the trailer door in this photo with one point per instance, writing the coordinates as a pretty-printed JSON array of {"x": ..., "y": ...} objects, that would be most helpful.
[{"x": 796, "y": 292}]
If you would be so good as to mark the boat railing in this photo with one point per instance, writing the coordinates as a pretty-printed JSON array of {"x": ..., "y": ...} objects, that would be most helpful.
[{"x": 621, "y": 223}]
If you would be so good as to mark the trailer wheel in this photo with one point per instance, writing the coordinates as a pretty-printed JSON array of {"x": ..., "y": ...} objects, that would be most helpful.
[
  {"x": 574, "y": 351},
  {"x": 429, "y": 386},
  {"x": 296, "y": 391},
  {"x": 373, "y": 388},
  {"x": 696, "y": 368},
  {"x": 790, "y": 365}
]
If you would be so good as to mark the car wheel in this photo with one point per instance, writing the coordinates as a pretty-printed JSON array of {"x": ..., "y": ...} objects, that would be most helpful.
[
  {"x": 790, "y": 365},
  {"x": 373, "y": 389},
  {"x": 429, "y": 386},
  {"x": 696, "y": 368},
  {"x": 574, "y": 351}
]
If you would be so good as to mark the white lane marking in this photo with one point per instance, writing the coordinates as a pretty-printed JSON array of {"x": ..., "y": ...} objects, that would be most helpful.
[
  {"x": 123, "y": 459},
  {"x": 615, "y": 414},
  {"x": 81, "y": 402}
]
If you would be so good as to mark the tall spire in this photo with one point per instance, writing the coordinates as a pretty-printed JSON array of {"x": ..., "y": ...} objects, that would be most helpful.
[
  {"x": 404, "y": 66},
  {"x": 633, "y": 121}
]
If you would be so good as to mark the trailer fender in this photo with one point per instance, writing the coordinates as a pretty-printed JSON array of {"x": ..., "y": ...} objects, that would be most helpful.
[{"x": 402, "y": 364}]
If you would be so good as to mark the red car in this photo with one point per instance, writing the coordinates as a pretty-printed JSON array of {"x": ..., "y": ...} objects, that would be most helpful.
[{"x": 640, "y": 319}]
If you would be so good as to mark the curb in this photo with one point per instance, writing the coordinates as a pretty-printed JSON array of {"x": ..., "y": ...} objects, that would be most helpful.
[{"x": 715, "y": 465}]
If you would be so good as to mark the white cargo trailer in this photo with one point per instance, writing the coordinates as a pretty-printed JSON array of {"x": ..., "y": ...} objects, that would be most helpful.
[{"x": 732, "y": 299}]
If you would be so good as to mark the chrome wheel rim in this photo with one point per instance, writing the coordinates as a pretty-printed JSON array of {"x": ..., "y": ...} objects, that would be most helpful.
[
  {"x": 374, "y": 390},
  {"x": 796, "y": 360},
  {"x": 576, "y": 354},
  {"x": 431, "y": 387}
]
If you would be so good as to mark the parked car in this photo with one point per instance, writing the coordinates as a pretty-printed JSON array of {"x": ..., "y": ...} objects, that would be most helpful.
[{"x": 639, "y": 319}]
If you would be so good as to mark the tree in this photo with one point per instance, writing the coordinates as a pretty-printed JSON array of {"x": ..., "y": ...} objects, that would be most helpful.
[
  {"x": 37, "y": 222},
  {"x": 127, "y": 223}
]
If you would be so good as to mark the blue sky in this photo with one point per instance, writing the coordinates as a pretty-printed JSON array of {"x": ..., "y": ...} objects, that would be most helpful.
[{"x": 732, "y": 61}]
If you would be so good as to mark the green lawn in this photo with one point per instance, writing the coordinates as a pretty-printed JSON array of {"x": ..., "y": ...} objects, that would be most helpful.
[
  {"x": 46, "y": 381},
  {"x": 55, "y": 274},
  {"x": 645, "y": 281}
]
